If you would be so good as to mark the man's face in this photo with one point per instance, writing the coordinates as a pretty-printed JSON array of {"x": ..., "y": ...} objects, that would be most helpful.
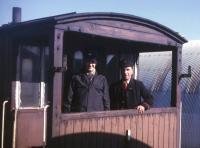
[
  {"x": 127, "y": 73},
  {"x": 91, "y": 67}
]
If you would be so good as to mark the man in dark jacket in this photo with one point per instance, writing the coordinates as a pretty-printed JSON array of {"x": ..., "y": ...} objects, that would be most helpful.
[
  {"x": 88, "y": 91},
  {"x": 129, "y": 93}
]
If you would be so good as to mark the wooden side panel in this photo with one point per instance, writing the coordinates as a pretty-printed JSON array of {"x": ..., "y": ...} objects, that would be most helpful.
[
  {"x": 114, "y": 124},
  {"x": 93, "y": 128},
  {"x": 29, "y": 128},
  {"x": 133, "y": 121},
  {"x": 166, "y": 131},
  {"x": 139, "y": 129},
  {"x": 145, "y": 130},
  {"x": 108, "y": 130},
  {"x": 161, "y": 131},
  {"x": 150, "y": 130},
  {"x": 156, "y": 131},
  {"x": 175, "y": 133},
  {"x": 77, "y": 130}
]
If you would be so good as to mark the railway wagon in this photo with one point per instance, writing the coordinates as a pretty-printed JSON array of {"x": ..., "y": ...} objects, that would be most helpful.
[{"x": 38, "y": 58}]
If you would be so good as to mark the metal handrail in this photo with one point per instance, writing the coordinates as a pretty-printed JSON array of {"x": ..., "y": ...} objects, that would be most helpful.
[
  {"x": 3, "y": 121},
  {"x": 44, "y": 126}
]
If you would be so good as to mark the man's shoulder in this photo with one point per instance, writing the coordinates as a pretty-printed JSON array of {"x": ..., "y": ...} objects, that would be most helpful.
[
  {"x": 100, "y": 76},
  {"x": 137, "y": 82}
]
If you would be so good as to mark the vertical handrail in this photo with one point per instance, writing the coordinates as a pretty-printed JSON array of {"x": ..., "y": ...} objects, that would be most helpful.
[
  {"x": 3, "y": 121},
  {"x": 14, "y": 129},
  {"x": 45, "y": 126}
]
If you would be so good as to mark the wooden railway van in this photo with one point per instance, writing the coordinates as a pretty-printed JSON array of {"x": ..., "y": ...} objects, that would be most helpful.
[{"x": 38, "y": 58}]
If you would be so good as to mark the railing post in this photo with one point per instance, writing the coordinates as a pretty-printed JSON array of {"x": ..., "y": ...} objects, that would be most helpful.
[
  {"x": 44, "y": 126},
  {"x": 3, "y": 121}
]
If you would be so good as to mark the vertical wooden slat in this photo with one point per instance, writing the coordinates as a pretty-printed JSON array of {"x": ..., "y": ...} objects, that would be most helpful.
[
  {"x": 171, "y": 131},
  {"x": 108, "y": 130},
  {"x": 133, "y": 130},
  {"x": 100, "y": 131},
  {"x": 69, "y": 133},
  {"x": 62, "y": 133},
  {"x": 139, "y": 130},
  {"x": 151, "y": 131},
  {"x": 145, "y": 129},
  {"x": 85, "y": 133},
  {"x": 161, "y": 131},
  {"x": 93, "y": 132},
  {"x": 156, "y": 131},
  {"x": 77, "y": 133},
  {"x": 166, "y": 131},
  {"x": 175, "y": 132},
  {"x": 114, "y": 131},
  {"x": 127, "y": 123},
  {"x": 121, "y": 131},
  {"x": 127, "y": 126}
]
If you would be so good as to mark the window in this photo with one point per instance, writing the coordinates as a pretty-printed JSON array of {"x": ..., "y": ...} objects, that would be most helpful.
[
  {"x": 31, "y": 71},
  {"x": 155, "y": 71}
]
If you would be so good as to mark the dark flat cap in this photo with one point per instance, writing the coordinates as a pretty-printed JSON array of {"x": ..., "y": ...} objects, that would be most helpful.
[
  {"x": 90, "y": 58},
  {"x": 126, "y": 63}
]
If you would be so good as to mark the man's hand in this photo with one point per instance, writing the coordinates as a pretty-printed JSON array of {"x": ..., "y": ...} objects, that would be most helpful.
[{"x": 140, "y": 109}]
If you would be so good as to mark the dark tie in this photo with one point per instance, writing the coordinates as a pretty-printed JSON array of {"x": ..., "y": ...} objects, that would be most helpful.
[{"x": 124, "y": 85}]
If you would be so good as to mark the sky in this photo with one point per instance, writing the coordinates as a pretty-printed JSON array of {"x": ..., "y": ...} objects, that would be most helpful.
[{"x": 182, "y": 16}]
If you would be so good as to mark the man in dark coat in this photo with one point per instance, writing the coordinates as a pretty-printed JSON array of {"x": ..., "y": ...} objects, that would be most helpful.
[
  {"x": 129, "y": 93},
  {"x": 88, "y": 91}
]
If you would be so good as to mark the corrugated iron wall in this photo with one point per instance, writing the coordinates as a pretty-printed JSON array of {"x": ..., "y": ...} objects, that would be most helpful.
[{"x": 158, "y": 66}]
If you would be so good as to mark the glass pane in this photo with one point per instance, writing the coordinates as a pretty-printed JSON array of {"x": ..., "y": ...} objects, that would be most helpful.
[
  {"x": 112, "y": 68},
  {"x": 30, "y": 76},
  {"x": 27, "y": 68},
  {"x": 155, "y": 71},
  {"x": 77, "y": 61},
  {"x": 30, "y": 94}
]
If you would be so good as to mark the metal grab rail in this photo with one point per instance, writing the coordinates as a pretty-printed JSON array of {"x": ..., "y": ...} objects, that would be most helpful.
[
  {"x": 44, "y": 126},
  {"x": 3, "y": 120}
]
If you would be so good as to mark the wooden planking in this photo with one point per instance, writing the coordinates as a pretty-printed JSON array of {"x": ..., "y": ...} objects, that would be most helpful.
[
  {"x": 175, "y": 133},
  {"x": 114, "y": 125},
  {"x": 85, "y": 135},
  {"x": 171, "y": 130},
  {"x": 145, "y": 129},
  {"x": 139, "y": 129},
  {"x": 29, "y": 130},
  {"x": 93, "y": 127},
  {"x": 100, "y": 131},
  {"x": 108, "y": 130},
  {"x": 62, "y": 134},
  {"x": 127, "y": 126},
  {"x": 161, "y": 131},
  {"x": 155, "y": 130},
  {"x": 121, "y": 131},
  {"x": 151, "y": 131},
  {"x": 124, "y": 25},
  {"x": 166, "y": 131},
  {"x": 69, "y": 133},
  {"x": 133, "y": 127},
  {"x": 77, "y": 131}
]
